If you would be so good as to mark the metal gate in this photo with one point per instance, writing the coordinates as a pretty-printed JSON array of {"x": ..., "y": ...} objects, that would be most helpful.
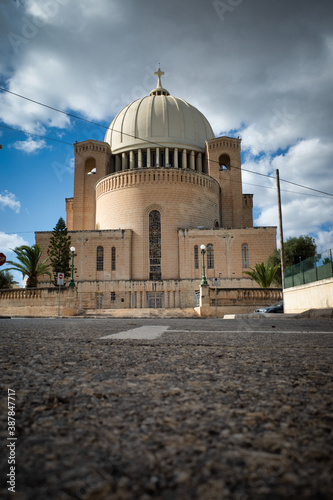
[{"x": 155, "y": 300}]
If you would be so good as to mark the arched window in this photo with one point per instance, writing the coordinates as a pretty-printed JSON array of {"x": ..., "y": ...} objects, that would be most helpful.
[
  {"x": 210, "y": 256},
  {"x": 99, "y": 258},
  {"x": 155, "y": 271},
  {"x": 113, "y": 259},
  {"x": 224, "y": 162},
  {"x": 245, "y": 256},
  {"x": 196, "y": 257}
]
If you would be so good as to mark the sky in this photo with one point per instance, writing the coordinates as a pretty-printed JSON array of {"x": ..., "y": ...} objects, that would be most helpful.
[{"x": 258, "y": 69}]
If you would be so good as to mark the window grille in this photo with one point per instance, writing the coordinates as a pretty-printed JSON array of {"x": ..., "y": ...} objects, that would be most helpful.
[
  {"x": 210, "y": 256},
  {"x": 245, "y": 256},
  {"x": 155, "y": 272},
  {"x": 99, "y": 258},
  {"x": 196, "y": 257},
  {"x": 113, "y": 259}
]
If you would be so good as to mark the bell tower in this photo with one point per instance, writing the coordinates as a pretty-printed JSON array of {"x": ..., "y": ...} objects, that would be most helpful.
[
  {"x": 92, "y": 160},
  {"x": 224, "y": 164}
]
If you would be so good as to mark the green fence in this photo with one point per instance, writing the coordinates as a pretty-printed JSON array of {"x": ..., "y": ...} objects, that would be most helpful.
[{"x": 315, "y": 268}]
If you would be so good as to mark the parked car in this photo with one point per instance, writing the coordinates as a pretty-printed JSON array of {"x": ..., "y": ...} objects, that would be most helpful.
[{"x": 275, "y": 308}]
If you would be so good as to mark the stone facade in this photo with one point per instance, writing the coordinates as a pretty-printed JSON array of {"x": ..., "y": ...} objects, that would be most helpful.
[{"x": 145, "y": 200}]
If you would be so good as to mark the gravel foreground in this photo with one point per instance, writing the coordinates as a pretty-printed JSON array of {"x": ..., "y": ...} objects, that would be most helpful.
[{"x": 213, "y": 410}]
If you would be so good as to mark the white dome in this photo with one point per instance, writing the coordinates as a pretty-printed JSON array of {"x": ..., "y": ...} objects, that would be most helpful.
[{"x": 159, "y": 119}]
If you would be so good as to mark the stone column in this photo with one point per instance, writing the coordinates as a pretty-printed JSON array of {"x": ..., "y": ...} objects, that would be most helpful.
[
  {"x": 132, "y": 160},
  {"x": 192, "y": 160},
  {"x": 140, "y": 158},
  {"x": 184, "y": 165},
  {"x": 124, "y": 161},
  {"x": 148, "y": 157},
  {"x": 175, "y": 158},
  {"x": 199, "y": 162},
  {"x": 166, "y": 299},
  {"x": 166, "y": 158},
  {"x": 144, "y": 300}
]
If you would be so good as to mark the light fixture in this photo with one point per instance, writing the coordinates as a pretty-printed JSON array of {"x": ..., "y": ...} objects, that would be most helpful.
[
  {"x": 203, "y": 251},
  {"x": 71, "y": 283}
]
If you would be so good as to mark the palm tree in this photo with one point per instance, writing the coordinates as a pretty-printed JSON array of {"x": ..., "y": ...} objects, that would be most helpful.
[
  {"x": 6, "y": 279},
  {"x": 263, "y": 274},
  {"x": 29, "y": 264}
]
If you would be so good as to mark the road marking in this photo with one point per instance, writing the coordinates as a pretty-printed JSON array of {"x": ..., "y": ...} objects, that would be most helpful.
[
  {"x": 273, "y": 330},
  {"x": 142, "y": 333}
]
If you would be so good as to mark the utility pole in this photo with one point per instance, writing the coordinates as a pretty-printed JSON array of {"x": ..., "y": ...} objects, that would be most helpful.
[{"x": 280, "y": 225}]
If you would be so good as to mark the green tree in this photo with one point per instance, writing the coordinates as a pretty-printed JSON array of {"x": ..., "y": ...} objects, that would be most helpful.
[
  {"x": 59, "y": 250},
  {"x": 298, "y": 249},
  {"x": 29, "y": 264},
  {"x": 6, "y": 279},
  {"x": 295, "y": 250},
  {"x": 263, "y": 274}
]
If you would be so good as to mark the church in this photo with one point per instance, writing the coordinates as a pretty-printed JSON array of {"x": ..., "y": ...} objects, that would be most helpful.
[{"x": 147, "y": 199}]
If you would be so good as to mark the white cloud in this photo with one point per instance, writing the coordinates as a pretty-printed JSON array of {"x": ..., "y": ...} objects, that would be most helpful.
[
  {"x": 30, "y": 145},
  {"x": 308, "y": 163},
  {"x": 8, "y": 200},
  {"x": 263, "y": 71},
  {"x": 324, "y": 240},
  {"x": 10, "y": 241}
]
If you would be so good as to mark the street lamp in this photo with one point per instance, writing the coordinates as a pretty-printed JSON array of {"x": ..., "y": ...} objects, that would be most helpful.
[
  {"x": 203, "y": 251},
  {"x": 71, "y": 283}
]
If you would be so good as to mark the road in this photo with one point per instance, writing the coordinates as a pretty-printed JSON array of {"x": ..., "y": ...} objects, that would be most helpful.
[{"x": 167, "y": 409}]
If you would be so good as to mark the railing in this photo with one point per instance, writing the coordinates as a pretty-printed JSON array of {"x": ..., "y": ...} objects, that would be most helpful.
[
  {"x": 130, "y": 178},
  {"x": 20, "y": 294},
  {"x": 309, "y": 270},
  {"x": 239, "y": 296}
]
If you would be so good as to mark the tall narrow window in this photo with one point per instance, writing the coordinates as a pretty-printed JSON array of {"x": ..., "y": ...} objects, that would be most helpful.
[
  {"x": 113, "y": 259},
  {"x": 99, "y": 258},
  {"x": 245, "y": 256},
  {"x": 196, "y": 257},
  {"x": 155, "y": 272},
  {"x": 210, "y": 256}
]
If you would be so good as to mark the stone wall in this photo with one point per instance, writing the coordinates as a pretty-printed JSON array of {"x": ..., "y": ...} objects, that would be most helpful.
[
  {"x": 220, "y": 301},
  {"x": 135, "y": 295},
  {"x": 38, "y": 302},
  {"x": 316, "y": 295}
]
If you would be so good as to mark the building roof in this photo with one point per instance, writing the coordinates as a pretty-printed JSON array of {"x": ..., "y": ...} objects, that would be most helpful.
[{"x": 159, "y": 119}]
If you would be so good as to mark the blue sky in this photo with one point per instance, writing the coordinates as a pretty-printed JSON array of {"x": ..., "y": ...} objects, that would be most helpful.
[{"x": 256, "y": 69}]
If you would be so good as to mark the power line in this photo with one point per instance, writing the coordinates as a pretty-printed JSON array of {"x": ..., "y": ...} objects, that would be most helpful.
[
  {"x": 36, "y": 135},
  {"x": 285, "y": 190},
  {"x": 142, "y": 139}
]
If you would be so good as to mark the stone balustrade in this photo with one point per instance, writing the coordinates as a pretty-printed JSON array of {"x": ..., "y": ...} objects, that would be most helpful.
[{"x": 130, "y": 178}]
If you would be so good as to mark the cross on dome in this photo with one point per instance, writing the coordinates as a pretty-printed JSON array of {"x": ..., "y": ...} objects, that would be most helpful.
[
  {"x": 159, "y": 73},
  {"x": 159, "y": 89}
]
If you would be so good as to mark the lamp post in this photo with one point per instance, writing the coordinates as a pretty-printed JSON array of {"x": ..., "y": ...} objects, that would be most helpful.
[
  {"x": 71, "y": 283},
  {"x": 203, "y": 251}
]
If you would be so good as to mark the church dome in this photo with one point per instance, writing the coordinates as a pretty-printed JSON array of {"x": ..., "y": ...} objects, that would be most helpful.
[{"x": 159, "y": 120}]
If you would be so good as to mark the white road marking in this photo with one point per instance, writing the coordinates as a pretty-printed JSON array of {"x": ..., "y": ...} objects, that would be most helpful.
[
  {"x": 142, "y": 333},
  {"x": 273, "y": 330}
]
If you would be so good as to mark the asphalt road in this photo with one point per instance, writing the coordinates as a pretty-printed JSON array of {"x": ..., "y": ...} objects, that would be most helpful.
[{"x": 166, "y": 409}]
